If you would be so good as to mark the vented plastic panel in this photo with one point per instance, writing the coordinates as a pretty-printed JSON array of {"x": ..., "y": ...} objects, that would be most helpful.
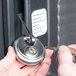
[{"x": 66, "y": 22}]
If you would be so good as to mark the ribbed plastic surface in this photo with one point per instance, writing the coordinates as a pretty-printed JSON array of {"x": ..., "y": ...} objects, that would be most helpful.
[{"x": 66, "y": 22}]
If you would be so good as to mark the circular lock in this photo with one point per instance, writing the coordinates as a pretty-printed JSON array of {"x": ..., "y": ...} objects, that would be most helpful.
[{"x": 29, "y": 53}]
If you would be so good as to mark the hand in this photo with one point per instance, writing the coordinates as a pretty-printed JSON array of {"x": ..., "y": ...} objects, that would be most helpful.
[
  {"x": 65, "y": 65},
  {"x": 10, "y": 66}
]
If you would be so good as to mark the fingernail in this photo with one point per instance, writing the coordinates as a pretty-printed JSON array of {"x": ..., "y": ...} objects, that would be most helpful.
[{"x": 63, "y": 48}]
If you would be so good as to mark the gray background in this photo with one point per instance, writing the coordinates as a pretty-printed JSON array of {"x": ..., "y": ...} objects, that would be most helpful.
[{"x": 1, "y": 33}]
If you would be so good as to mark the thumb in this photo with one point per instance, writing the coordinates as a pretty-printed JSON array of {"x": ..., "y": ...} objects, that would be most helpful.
[
  {"x": 8, "y": 60},
  {"x": 64, "y": 55}
]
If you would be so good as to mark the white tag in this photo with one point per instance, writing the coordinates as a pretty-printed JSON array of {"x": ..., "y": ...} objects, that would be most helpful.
[{"x": 39, "y": 22}]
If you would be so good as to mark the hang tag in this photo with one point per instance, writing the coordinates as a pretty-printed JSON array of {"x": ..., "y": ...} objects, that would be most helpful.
[{"x": 39, "y": 22}]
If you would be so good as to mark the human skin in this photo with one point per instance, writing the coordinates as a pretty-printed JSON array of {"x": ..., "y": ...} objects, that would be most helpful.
[
  {"x": 65, "y": 65},
  {"x": 10, "y": 66}
]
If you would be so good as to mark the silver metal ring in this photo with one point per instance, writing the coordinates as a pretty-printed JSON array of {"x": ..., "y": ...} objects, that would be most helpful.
[{"x": 29, "y": 54}]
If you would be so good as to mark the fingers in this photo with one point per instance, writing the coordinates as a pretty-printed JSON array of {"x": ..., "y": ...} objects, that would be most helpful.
[
  {"x": 64, "y": 55},
  {"x": 73, "y": 46},
  {"x": 44, "y": 67},
  {"x": 8, "y": 59},
  {"x": 47, "y": 59},
  {"x": 26, "y": 71},
  {"x": 48, "y": 53},
  {"x": 43, "y": 70}
]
